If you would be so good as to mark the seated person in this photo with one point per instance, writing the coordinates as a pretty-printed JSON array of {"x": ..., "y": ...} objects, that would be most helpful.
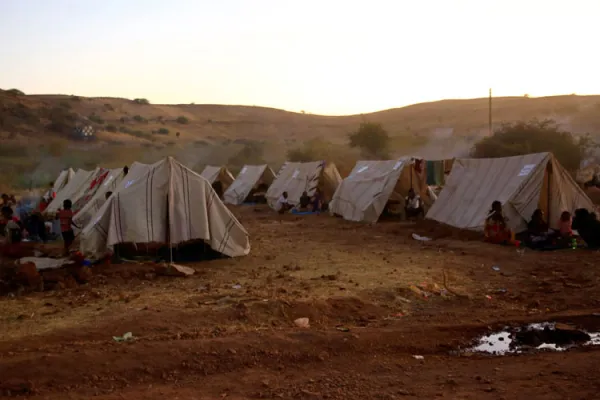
[
  {"x": 588, "y": 227},
  {"x": 496, "y": 230},
  {"x": 304, "y": 201},
  {"x": 282, "y": 204},
  {"x": 538, "y": 232},
  {"x": 564, "y": 225},
  {"x": 317, "y": 202},
  {"x": 414, "y": 205}
]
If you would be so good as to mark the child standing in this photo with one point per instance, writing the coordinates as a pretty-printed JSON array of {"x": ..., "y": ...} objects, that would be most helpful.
[{"x": 65, "y": 216}]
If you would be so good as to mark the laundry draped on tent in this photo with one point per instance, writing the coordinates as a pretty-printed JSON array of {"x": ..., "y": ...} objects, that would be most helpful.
[
  {"x": 363, "y": 195},
  {"x": 168, "y": 203},
  {"x": 295, "y": 178},
  {"x": 521, "y": 183},
  {"x": 249, "y": 178},
  {"x": 93, "y": 201}
]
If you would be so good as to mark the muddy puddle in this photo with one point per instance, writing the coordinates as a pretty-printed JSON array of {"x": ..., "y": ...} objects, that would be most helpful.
[{"x": 534, "y": 337}]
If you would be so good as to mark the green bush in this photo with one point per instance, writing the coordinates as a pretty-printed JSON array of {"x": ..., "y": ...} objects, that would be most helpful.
[
  {"x": 109, "y": 107},
  {"x": 141, "y": 101},
  {"x": 163, "y": 131},
  {"x": 110, "y": 128},
  {"x": 183, "y": 120},
  {"x": 534, "y": 136},
  {"x": 372, "y": 139},
  {"x": 139, "y": 118}
]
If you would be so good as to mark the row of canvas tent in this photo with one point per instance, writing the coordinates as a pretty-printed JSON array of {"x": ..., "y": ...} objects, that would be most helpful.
[
  {"x": 162, "y": 200},
  {"x": 521, "y": 183}
]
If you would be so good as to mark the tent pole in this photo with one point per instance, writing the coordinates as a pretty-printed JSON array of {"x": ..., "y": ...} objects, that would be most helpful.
[{"x": 549, "y": 190}]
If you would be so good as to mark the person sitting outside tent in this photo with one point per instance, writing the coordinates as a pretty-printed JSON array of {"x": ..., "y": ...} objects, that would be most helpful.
[
  {"x": 538, "y": 232},
  {"x": 413, "y": 205},
  {"x": 496, "y": 230},
  {"x": 317, "y": 202},
  {"x": 304, "y": 201},
  {"x": 588, "y": 227},
  {"x": 565, "y": 225},
  {"x": 282, "y": 204}
]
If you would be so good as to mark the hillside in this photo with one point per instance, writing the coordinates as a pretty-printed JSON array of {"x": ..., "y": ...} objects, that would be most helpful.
[{"x": 128, "y": 131}]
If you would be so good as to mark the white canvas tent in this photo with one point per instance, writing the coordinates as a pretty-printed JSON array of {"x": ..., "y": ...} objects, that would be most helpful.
[
  {"x": 71, "y": 191},
  {"x": 166, "y": 203},
  {"x": 249, "y": 178},
  {"x": 521, "y": 183},
  {"x": 295, "y": 178},
  {"x": 95, "y": 200},
  {"x": 63, "y": 178},
  {"x": 218, "y": 174},
  {"x": 363, "y": 195},
  {"x": 101, "y": 176}
]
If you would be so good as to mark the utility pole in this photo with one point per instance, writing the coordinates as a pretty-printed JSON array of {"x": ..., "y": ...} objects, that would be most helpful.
[{"x": 490, "y": 113}]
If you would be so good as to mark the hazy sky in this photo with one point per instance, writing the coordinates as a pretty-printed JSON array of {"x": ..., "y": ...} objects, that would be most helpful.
[{"x": 322, "y": 56}]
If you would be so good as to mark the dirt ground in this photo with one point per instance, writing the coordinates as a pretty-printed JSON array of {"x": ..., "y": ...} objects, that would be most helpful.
[{"x": 228, "y": 331}]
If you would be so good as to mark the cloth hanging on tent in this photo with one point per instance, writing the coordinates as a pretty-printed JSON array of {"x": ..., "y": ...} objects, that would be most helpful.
[
  {"x": 440, "y": 173},
  {"x": 435, "y": 173},
  {"x": 430, "y": 168}
]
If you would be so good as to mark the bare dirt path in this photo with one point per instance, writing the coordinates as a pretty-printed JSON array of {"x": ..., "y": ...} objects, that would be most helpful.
[{"x": 228, "y": 331}]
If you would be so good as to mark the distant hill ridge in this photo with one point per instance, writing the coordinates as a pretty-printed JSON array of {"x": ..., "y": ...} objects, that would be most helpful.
[{"x": 117, "y": 119}]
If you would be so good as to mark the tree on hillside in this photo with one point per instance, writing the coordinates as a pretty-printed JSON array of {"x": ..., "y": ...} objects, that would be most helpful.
[
  {"x": 372, "y": 139},
  {"x": 535, "y": 136}
]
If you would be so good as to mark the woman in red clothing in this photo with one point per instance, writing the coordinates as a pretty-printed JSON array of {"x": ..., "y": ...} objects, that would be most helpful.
[{"x": 496, "y": 231}]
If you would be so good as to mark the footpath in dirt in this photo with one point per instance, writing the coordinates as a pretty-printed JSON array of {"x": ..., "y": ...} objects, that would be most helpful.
[{"x": 389, "y": 317}]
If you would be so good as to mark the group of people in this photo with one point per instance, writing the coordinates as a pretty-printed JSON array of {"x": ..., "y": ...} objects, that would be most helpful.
[
  {"x": 314, "y": 203},
  {"x": 538, "y": 235}
]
